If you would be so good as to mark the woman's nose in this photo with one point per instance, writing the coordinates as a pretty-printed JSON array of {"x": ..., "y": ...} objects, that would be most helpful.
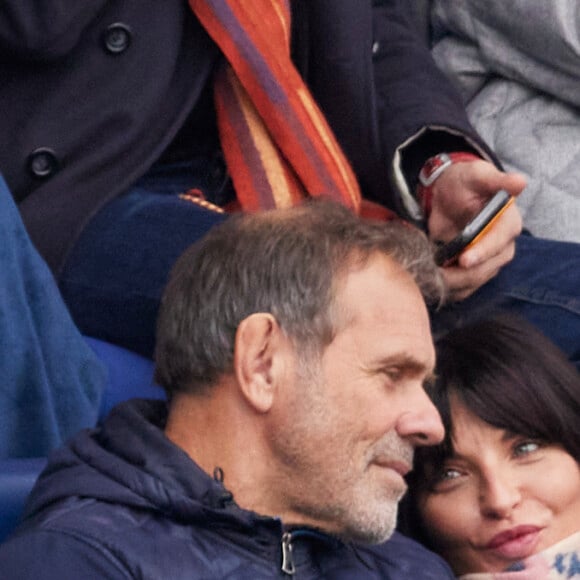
[{"x": 499, "y": 495}]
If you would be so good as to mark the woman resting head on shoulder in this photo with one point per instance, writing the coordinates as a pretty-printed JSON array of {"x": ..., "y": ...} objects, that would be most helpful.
[{"x": 500, "y": 497}]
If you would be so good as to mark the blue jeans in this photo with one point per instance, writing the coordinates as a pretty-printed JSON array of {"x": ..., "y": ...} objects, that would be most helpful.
[
  {"x": 541, "y": 284},
  {"x": 115, "y": 276},
  {"x": 51, "y": 381}
]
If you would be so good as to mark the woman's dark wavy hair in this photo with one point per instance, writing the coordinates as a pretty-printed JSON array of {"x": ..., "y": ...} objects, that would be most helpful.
[{"x": 510, "y": 375}]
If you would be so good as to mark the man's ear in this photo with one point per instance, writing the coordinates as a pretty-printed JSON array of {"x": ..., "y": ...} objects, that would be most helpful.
[{"x": 257, "y": 358}]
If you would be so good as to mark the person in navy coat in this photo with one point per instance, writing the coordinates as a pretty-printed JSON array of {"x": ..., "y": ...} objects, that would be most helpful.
[{"x": 107, "y": 114}]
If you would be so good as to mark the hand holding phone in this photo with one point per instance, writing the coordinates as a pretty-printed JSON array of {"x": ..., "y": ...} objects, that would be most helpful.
[{"x": 447, "y": 253}]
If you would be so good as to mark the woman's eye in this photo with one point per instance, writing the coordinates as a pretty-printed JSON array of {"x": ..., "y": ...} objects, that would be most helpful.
[
  {"x": 445, "y": 479},
  {"x": 524, "y": 448},
  {"x": 448, "y": 474}
]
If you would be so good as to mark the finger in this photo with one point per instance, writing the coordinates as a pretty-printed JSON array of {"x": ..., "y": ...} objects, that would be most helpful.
[
  {"x": 485, "y": 177},
  {"x": 459, "y": 288},
  {"x": 513, "y": 183},
  {"x": 462, "y": 191},
  {"x": 496, "y": 241},
  {"x": 462, "y": 282}
]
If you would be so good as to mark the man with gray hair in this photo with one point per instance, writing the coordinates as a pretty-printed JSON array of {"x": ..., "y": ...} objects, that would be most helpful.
[{"x": 293, "y": 346}]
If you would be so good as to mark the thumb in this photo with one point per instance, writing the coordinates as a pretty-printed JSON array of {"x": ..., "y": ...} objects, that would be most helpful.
[{"x": 513, "y": 183}]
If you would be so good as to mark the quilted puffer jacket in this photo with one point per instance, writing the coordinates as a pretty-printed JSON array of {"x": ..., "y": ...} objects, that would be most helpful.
[{"x": 123, "y": 502}]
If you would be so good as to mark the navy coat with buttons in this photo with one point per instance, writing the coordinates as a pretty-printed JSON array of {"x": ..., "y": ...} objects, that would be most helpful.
[{"x": 93, "y": 91}]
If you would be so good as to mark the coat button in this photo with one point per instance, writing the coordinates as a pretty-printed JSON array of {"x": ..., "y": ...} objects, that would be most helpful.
[
  {"x": 43, "y": 162},
  {"x": 117, "y": 38},
  {"x": 375, "y": 48}
]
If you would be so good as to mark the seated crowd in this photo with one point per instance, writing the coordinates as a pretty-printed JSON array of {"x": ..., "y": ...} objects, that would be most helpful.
[{"x": 315, "y": 359}]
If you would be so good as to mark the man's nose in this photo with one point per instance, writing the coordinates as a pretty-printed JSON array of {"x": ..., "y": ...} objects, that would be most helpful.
[{"x": 421, "y": 423}]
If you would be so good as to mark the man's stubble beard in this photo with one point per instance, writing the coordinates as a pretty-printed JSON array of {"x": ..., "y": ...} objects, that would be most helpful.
[{"x": 348, "y": 502}]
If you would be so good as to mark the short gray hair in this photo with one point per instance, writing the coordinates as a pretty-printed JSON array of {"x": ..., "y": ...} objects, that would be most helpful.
[{"x": 284, "y": 262}]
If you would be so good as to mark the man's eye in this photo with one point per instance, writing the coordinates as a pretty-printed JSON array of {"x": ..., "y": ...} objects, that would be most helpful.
[{"x": 394, "y": 373}]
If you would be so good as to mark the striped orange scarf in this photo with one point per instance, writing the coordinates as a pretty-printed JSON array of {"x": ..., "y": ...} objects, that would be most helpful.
[{"x": 277, "y": 144}]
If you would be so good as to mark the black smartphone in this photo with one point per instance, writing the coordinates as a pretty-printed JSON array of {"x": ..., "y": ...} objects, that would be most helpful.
[{"x": 447, "y": 253}]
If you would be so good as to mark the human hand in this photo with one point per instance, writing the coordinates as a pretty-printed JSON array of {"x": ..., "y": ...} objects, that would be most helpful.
[{"x": 459, "y": 193}]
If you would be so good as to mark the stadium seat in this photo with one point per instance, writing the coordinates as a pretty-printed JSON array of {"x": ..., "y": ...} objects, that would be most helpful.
[{"x": 129, "y": 375}]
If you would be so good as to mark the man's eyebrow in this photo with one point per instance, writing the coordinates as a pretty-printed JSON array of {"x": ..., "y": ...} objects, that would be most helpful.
[{"x": 407, "y": 362}]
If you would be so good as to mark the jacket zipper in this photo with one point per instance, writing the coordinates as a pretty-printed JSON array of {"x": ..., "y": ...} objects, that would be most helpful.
[{"x": 287, "y": 558}]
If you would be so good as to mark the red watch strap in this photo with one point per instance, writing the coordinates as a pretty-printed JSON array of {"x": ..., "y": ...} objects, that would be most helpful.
[{"x": 430, "y": 172}]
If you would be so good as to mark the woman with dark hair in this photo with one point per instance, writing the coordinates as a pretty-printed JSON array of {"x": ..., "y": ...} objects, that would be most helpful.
[{"x": 500, "y": 496}]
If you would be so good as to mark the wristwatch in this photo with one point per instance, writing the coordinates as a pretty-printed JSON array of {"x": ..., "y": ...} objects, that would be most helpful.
[{"x": 431, "y": 170}]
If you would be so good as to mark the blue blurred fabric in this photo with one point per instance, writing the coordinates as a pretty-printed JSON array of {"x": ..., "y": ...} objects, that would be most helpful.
[
  {"x": 128, "y": 375},
  {"x": 51, "y": 382},
  {"x": 17, "y": 476}
]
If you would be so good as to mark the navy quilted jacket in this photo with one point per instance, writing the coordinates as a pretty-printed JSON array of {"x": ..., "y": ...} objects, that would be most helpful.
[{"x": 123, "y": 502}]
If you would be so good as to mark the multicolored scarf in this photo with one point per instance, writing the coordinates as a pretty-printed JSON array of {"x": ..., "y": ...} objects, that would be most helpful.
[
  {"x": 277, "y": 144},
  {"x": 558, "y": 562}
]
